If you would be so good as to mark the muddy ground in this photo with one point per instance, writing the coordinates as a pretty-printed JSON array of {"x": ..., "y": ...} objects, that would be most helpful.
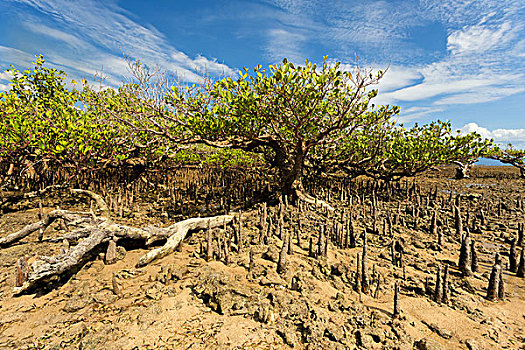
[{"x": 183, "y": 301}]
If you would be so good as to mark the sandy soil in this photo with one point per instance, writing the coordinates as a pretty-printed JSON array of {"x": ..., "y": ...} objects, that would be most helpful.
[{"x": 184, "y": 302}]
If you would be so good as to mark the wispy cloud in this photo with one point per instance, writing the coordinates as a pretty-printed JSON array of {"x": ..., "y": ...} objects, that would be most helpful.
[
  {"x": 481, "y": 59},
  {"x": 397, "y": 77},
  {"x": 377, "y": 30},
  {"x": 478, "y": 55},
  {"x": 70, "y": 39},
  {"x": 480, "y": 38},
  {"x": 12, "y": 55},
  {"x": 101, "y": 30},
  {"x": 492, "y": 84},
  {"x": 457, "y": 14},
  {"x": 4, "y": 80},
  {"x": 371, "y": 23},
  {"x": 480, "y": 95},
  {"x": 283, "y": 43},
  {"x": 481, "y": 66}
]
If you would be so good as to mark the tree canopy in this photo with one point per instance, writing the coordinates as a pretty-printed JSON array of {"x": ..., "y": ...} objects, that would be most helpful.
[
  {"x": 288, "y": 111},
  {"x": 43, "y": 119},
  {"x": 297, "y": 117},
  {"x": 511, "y": 155},
  {"x": 390, "y": 151}
]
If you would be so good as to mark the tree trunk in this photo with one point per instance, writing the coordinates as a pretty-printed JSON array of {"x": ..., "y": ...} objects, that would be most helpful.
[
  {"x": 291, "y": 174},
  {"x": 290, "y": 169},
  {"x": 462, "y": 171}
]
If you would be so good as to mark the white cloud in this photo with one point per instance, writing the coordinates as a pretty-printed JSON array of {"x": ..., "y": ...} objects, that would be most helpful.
[
  {"x": 473, "y": 127},
  {"x": 457, "y": 14},
  {"x": 5, "y": 75},
  {"x": 444, "y": 83},
  {"x": 479, "y": 38},
  {"x": 509, "y": 134},
  {"x": 398, "y": 77},
  {"x": 481, "y": 66},
  {"x": 102, "y": 30},
  {"x": 4, "y": 80},
  {"x": 482, "y": 60},
  {"x": 418, "y": 109},
  {"x": 519, "y": 49},
  {"x": 371, "y": 23},
  {"x": 346, "y": 28},
  {"x": 86, "y": 67},
  {"x": 201, "y": 64},
  {"x": 481, "y": 95},
  {"x": 12, "y": 55},
  {"x": 499, "y": 135},
  {"x": 483, "y": 54}
]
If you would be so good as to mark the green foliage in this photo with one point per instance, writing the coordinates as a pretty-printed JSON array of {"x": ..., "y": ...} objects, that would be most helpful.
[
  {"x": 234, "y": 158},
  {"x": 288, "y": 116},
  {"x": 288, "y": 104},
  {"x": 42, "y": 119},
  {"x": 39, "y": 114},
  {"x": 509, "y": 155},
  {"x": 284, "y": 112},
  {"x": 117, "y": 130}
]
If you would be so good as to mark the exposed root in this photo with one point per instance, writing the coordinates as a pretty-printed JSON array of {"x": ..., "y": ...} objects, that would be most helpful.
[{"x": 462, "y": 171}]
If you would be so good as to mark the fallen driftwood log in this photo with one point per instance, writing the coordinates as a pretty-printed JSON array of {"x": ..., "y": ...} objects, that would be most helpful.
[{"x": 91, "y": 231}]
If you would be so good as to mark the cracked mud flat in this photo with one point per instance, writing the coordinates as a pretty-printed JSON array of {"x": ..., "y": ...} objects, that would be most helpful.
[{"x": 184, "y": 302}]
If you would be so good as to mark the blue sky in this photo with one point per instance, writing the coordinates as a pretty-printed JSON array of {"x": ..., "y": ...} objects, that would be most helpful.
[{"x": 462, "y": 60}]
